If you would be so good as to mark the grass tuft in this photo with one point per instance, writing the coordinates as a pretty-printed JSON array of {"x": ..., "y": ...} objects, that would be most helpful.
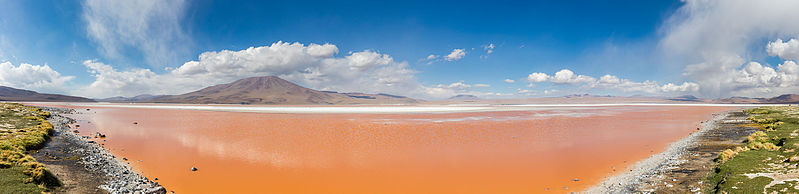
[{"x": 30, "y": 131}]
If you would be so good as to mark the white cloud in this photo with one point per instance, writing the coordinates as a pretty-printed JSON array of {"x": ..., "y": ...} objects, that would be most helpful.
[
  {"x": 489, "y": 49},
  {"x": 40, "y": 78},
  {"x": 110, "y": 82},
  {"x": 785, "y": 50},
  {"x": 314, "y": 66},
  {"x": 563, "y": 76},
  {"x": 524, "y": 91},
  {"x": 715, "y": 37},
  {"x": 537, "y": 77},
  {"x": 456, "y": 54},
  {"x": 432, "y": 56},
  {"x": 566, "y": 76},
  {"x": 610, "y": 82},
  {"x": 651, "y": 87},
  {"x": 510, "y": 81},
  {"x": 150, "y": 27},
  {"x": 481, "y": 85}
]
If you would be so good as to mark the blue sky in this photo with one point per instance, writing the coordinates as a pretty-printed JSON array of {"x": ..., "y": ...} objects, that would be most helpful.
[{"x": 628, "y": 40}]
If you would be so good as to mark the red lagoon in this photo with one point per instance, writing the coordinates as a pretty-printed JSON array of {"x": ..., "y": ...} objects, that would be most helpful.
[{"x": 533, "y": 151}]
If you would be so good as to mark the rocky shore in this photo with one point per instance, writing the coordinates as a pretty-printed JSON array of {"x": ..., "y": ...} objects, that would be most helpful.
[
  {"x": 684, "y": 165},
  {"x": 85, "y": 167}
]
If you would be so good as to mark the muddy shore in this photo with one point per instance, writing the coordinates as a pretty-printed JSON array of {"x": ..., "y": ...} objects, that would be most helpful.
[
  {"x": 685, "y": 164},
  {"x": 83, "y": 166}
]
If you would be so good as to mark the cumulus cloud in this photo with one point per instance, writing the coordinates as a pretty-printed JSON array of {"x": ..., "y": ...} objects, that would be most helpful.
[
  {"x": 563, "y": 76},
  {"x": 456, "y": 54},
  {"x": 537, "y": 77},
  {"x": 39, "y": 78},
  {"x": 510, "y": 81},
  {"x": 714, "y": 38},
  {"x": 150, "y": 27},
  {"x": 315, "y": 66},
  {"x": 610, "y": 82},
  {"x": 651, "y": 87},
  {"x": 785, "y": 50}
]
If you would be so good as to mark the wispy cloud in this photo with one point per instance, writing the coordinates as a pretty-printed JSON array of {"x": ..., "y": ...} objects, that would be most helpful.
[
  {"x": 151, "y": 28},
  {"x": 488, "y": 49}
]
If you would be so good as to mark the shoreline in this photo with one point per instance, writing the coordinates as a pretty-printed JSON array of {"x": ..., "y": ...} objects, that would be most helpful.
[
  {"x": 684, "y": 164},
  {"x": 379, "y": 109},
  {"x": 72, "y": 158}
]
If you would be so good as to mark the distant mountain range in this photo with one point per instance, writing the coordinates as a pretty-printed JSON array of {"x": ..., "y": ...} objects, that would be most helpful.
[
  {"x": 13, "y": 94},
  {"x": 463, "y": 97},
  {"x": 782, "y": 99},
  {"x": 270, "y": 90},
  {"x": 274, "y": 90}
]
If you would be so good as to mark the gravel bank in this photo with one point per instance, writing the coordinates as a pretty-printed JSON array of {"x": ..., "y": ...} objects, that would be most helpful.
[
  {"x": 640, "y": 174},
  {"x": 119, "y": 177}
]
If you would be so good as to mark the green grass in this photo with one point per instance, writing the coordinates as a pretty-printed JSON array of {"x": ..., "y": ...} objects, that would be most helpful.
[
  {"x": 766, "y": 151},
  {"x": 12, "y": 180},
  {"x": 23, "y": 128}
]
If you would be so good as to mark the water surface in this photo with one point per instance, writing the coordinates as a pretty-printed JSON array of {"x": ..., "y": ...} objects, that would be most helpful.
[{"x": 511, "y": 151}]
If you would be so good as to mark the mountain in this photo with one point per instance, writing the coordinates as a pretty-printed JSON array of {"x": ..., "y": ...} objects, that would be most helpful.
[
  {"x": 687, "y": 98},
  {"x": 139, "y": 98},
  {"x": 13, "y": 94},
  {"x": 586, "y": 96},
  {"x": 274, "y": 90},
  {"x": 464, "y": 97},
  {"x": 782, "y": 99},
  {"x": 785, "y": 98}
]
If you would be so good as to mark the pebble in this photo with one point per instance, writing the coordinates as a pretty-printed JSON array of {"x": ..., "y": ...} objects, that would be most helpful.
[
  {"x": 193, "y": 169},
  {"x": 95, "y": 158}
]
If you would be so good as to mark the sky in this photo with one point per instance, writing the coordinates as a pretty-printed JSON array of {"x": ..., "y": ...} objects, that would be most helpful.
[{"x": 421, "y": 49}]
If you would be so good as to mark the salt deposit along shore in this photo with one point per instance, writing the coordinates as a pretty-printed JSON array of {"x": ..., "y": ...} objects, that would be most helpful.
[{"x": 385, "y": 109}]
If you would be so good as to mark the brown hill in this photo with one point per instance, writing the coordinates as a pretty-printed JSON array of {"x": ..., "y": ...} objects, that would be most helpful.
[
  {"x": 274, "y": 90},
  {"x": 782, "y": 99},
  {"x": 13, "y": 94},
  {"x": 785, "y": 98}
]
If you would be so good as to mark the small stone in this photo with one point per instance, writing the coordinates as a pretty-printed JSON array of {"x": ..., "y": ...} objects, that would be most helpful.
[
  {"x": 135, "y": 123},
  {"x": 155, "y": 179},
  {"x": 575, "y": 179},
  {"x": 193, "y": 169},
  {"x": 76, "y": 131},
  {"x": 125, "y": 159}
]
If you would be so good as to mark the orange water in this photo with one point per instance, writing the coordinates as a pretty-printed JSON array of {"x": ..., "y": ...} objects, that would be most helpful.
[{"x": 485, "y": 152}]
